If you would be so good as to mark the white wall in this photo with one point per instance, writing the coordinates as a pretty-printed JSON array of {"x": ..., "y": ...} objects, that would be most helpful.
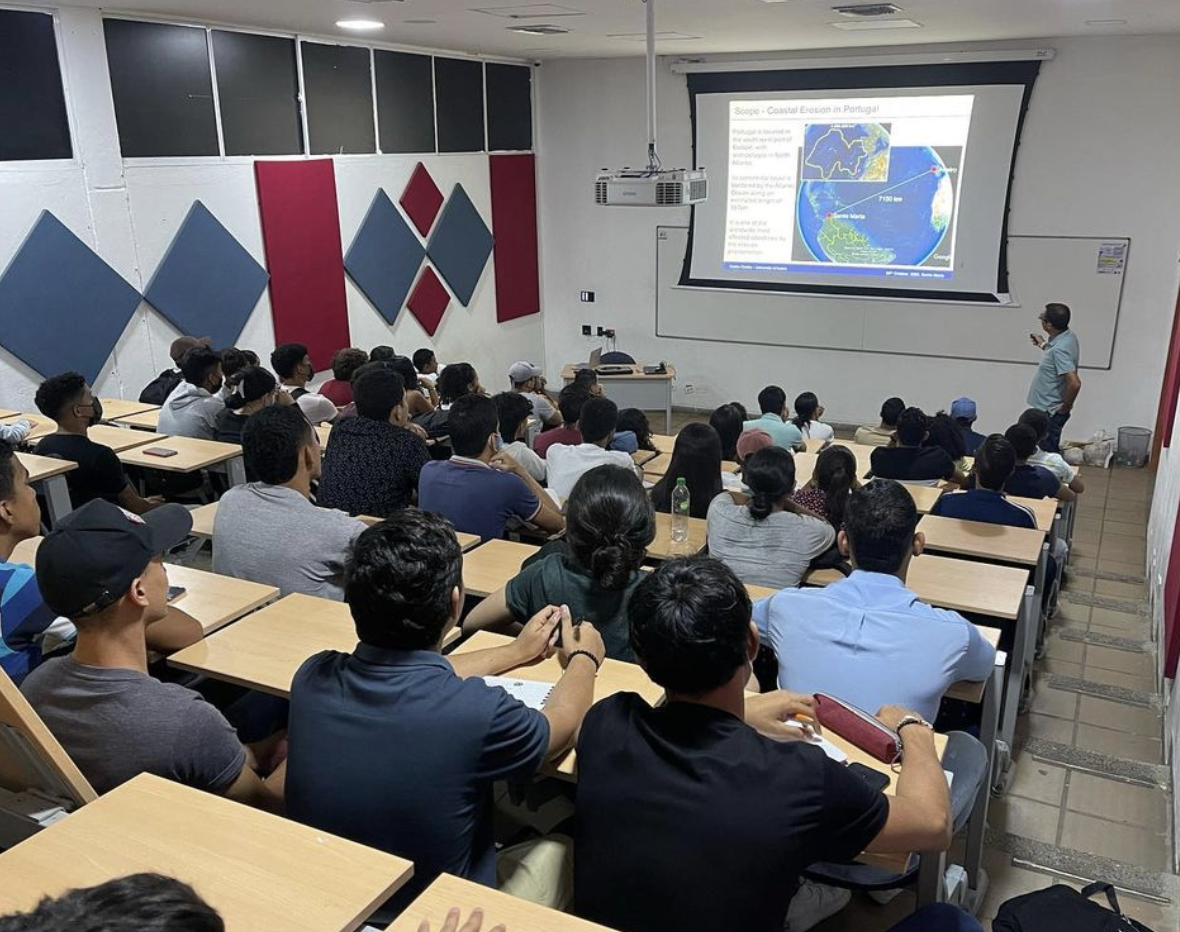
[
  {"x": 130, "y": 212},
  {"x": 1090, "y": 164}
]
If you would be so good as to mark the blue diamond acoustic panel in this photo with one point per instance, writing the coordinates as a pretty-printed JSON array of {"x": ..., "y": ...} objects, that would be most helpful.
[
  {"x": 461, "y": 245},
  {"x": 385, "y": 256},
  {"x": 61, "y": 306}
]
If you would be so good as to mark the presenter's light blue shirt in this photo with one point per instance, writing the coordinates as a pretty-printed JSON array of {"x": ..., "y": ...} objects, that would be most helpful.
[
  {"x": 1058, "y": 359},
  {"x": 870, "y": 641},
  {"x": 783, "y": 433}
]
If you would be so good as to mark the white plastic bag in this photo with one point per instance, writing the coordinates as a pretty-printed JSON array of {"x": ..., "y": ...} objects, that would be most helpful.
[{"x": 1099, "y": 449}]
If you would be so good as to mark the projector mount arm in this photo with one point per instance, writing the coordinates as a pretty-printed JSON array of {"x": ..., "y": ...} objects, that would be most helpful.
[{"x": 653, "y": 159}]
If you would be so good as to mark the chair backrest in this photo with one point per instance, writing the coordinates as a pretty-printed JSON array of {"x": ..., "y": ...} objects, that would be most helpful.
[
  {"x": 618, "y": 359},
  {"x": 30, "y": 757}
]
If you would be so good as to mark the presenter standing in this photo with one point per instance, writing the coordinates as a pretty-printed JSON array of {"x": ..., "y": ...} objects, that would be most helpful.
[{"x": 1056, "y": 384}]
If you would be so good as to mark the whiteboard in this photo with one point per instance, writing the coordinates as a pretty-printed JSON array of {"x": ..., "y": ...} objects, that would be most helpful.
[{"x": 1042, "y": 269}]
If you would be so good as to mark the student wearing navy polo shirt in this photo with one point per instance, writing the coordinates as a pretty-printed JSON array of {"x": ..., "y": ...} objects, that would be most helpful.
[
  {"x": 397, "y": 747},
  {"x": 995, "y": 461},
  {"x": 1029, "y": 481}
]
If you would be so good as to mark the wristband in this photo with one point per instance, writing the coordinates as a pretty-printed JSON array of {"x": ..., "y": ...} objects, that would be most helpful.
[{"x": 585, "y": 653}]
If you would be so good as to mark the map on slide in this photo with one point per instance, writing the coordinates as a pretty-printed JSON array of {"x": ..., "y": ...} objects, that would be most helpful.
[{"x": 863, "y": 201}]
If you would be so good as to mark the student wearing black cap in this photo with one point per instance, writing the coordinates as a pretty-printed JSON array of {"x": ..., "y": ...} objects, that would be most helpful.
[{"x": 102, "y": 567}]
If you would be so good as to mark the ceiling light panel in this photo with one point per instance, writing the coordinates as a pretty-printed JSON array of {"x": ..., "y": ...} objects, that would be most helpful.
[
  {"x": 530, "y": 11},
  {"x": 867, "y": 24}
]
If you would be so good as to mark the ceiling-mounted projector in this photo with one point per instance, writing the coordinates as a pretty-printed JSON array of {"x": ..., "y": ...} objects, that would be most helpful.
[{"x": 653, "y": 186}]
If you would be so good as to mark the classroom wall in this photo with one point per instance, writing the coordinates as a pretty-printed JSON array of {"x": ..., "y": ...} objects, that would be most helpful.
[
  {"x": 129, "y": 213},
  {"x": 1089, "y": 165}
]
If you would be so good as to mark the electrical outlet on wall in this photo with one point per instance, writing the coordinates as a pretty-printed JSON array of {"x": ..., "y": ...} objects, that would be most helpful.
[
  {"x": 587, "y": 297},
  {"x": 689, "y": 388},
  {"x": 586, "y": 330}
]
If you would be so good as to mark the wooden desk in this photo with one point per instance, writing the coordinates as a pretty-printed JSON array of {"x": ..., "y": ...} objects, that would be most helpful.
[
  {"x": 216, "y": 600},
  {"x": 996, "y": 542},
  {"x": 664, "y": 443},
  {"x": 663, "y": 547},
  {"x": 7, "y": 412},
  {"x": 636, "y": 390},
  {"x": 192, "y": 455},
  {"x": 323, "y": 432},
  {"x": 260, "y": 871},
  {"x": 42, "y": 426},
  {"x": 657, "y": 466},
  {"x": 120, "y": 438},
  {"x": 924, "y": 496},
  {"x": 1044, "y": 509},
  {"x": 47, "y": 476},
  {"x": 115, "y": 408},
  {"x": 488, "y": 567},
  {"x": 639, "y": 457}
]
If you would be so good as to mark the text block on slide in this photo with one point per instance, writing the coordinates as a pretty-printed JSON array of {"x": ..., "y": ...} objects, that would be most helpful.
[
  {"x": 514, "y": 228},
  {"x": 301, "y": 234}
]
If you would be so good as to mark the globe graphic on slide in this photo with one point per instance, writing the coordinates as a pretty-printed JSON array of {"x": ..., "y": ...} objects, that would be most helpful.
[{"x": 901, "y": 219}]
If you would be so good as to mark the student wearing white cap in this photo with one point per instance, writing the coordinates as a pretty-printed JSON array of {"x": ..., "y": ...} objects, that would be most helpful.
[{"x": 527, "y": 380}]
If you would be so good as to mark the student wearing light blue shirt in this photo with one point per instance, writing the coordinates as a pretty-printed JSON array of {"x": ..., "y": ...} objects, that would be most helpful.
[
  {"x": 868, "y": 639},
  {"x": 772, "y": 400},
  {"x": 1056, "y": 384}
]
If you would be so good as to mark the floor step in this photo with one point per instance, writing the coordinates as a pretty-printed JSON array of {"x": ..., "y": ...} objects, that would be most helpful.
[
  {"x": 1075, "y": 633},
  {"x": 1103, "y": 601},
  {"x": 1134, "y": 697},
  {"x": 1138, "y": 772},
  {"x": 1102, "y": 574}
]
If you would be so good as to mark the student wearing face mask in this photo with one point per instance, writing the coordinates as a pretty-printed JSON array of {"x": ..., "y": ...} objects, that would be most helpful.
[
  {"x": 192, "y": 408},
  {"x": 293, "y": 366},
  {"x": 68, "y": 400}
]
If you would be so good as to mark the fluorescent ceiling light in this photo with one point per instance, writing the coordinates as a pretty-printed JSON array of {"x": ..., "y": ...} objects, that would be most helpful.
[
  {"x": 642, "y": 36},
  {"x": 1106, "y": 22},
  {"x": 360, "y": 25},
  {"x": 540, "y": 29},
  {"x": 858, "y": 25}
]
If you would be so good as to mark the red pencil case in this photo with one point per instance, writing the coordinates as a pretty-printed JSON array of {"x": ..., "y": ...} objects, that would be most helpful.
[{"x": 858, "y": 728}]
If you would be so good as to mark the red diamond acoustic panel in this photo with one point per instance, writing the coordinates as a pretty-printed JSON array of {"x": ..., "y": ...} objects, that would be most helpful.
[
  {"x": 421, "y": 199},
  {"x": 429, "y": 301},
  {"x": 514, "y": 228}
]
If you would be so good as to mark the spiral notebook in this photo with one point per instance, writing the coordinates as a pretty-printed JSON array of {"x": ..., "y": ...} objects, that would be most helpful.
[{"x": 530, "y": 692}]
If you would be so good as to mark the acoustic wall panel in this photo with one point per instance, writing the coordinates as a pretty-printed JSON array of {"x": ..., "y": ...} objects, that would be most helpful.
[
  {"x": 33, "y": 122},
  {"x": 258, "y": 90},
  {"x": 421, "y": 199},
  {"x": 429, "y": 301},
  {"x": 301, "y": 234},
  {"x": 405, "y": 101},
  {"x": 339, "y": 89},
  {"x": 510, "y": 107},
  {"x": 385, "y": 257},
  {"x": 514, "y": 225},
  {"x": 458, "y": 88},
  {"x": 460, "y": 245}
]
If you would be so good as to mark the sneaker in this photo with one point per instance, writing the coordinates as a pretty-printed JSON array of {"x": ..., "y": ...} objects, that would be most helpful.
[{"x": 812, "y": 904}]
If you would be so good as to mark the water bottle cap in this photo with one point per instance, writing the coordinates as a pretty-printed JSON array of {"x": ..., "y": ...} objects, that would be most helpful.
[{"x": 680, "y": 480}]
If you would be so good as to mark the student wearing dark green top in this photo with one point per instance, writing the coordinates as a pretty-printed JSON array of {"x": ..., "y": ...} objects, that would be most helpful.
[{"x": 609, "y": 525}]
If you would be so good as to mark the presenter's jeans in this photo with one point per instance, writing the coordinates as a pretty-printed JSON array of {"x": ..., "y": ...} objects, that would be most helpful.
[{"x": 1052, "y": 441}]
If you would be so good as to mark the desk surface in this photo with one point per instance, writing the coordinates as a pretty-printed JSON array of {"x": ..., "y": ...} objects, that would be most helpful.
[
  {"x": 489, "y": 566},
  {"x": 149, "y": 419},
  {"x": 44, "y": 467},
  {"x": 216, "y": 600},
  {"x": 663, "y": 442},
  {"x": 639, "y": 457},
  {"x": 115, "y": 408},
  {"x": 120, "y": 438},
  {"x": 260, "y": 871},
  {"x": 663, "y": 548},
  {"x": 658, "y": 465},
  {"x": 996, "y": 542},
  {"x": 635, "y": 375},
  {"x": 8, "y": 412},
  {"x": 191, "y": 454}
]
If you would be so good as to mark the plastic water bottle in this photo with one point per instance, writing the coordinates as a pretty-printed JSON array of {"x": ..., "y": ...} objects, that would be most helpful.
[{"x": 680, "y": 510}]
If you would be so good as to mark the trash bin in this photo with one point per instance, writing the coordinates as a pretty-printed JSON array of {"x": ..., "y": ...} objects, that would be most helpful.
[{"x": 1134, "y": 446}]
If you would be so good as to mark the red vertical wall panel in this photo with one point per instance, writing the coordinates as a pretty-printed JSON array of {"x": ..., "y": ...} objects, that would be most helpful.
[
  {"x": 301, "y": 234},
  {"x": 514, "y": 227}
]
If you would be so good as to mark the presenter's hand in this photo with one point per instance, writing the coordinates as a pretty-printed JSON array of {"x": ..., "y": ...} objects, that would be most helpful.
[
  {"x": 1037, "y": 340},
  {"x": 473, "y": 924}
]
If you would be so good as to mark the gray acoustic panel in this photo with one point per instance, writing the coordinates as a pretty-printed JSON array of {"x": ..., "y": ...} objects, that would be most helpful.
[
  {"x": 458, "y": 88},
  {"x": 33, "y": 122},
  {"x": 339, "y": 89},
  {"x": 405, "y": 101},
  {"x": 258, "y": 91},
  {"x": 510, "y": 107}
]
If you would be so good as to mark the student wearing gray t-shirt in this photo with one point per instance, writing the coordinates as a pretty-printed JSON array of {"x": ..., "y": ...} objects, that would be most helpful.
[
  {"x": 270, "y": 531},
  {"x": 102, "y": 567}
]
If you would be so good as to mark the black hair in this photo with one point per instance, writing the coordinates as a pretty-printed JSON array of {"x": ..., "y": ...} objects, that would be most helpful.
[
  {"x": 472, "y": 419},
  {"x": 286, "y": 359},
  {"x": 585, "y": 377},
  {"x": 891, "y": 410},
  {"x": 455, "y": 381},
  {"x": 600, "y": 417},
  {"x": 835, "y": 474},
  {"x": 690, "y": 624},
  {"x": 1023, "y": 439},
  {"x": 880, "y": 522},
  {"x": 55, "y": 393},
  {"x": 728, "y": 421},
  {"x": 634, "y": 420},
  {"x": 772, "y": 400},
  {"x": 404, "y": 367},
  {"x": 1038, "y": 420},
  {"x": 398, "y": 579},
  {"x": 995, "y": 461},
  {"x": 696, "y": 458},
  {"x": 233, "y": 361},
  {"x": 912, "y": 425},
  {"x": 346, "y": 361},
  {"x": 805, "y": 407},
  {"x": 382, "y": 353},
  {"x": 136, "y": 903},
  {"x": 571, "y": 400},
  {"x": 513, "y": 409},
  {"x": 250, "y": 384},
  {"x": 422, "y": 357},
  {"x": 8, "y": 463},
  {"x": 1057, "y": 315},
  {"x": 197, "y": 363},
  {"x": 377, "y": 392},
  {"x": 272, "y": 441},
  {"x": 609, "y": 524},
  {"x": 770, "y": 475},
  {"x": 946, "y": 434},
  {"x": 251, "y": 357}
]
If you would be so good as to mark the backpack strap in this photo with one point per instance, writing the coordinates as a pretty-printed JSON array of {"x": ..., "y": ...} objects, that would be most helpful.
[{"x": 1101, "y": 886}]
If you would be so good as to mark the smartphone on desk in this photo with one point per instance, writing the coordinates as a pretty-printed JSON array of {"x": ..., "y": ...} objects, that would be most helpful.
[
  {"x": 162, "y": 452},
  {"x": 874, "y": 778},
  {"x": 175, "y": 592}
]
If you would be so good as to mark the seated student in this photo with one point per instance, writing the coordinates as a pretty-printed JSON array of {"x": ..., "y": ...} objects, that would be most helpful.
[
  {"x": 528, "y": 381},
  {"x": 233, "y": 361},
  {"x": 382, "y": 353},
  {"x": 945, "y": 433},
  {"x": 420, "y": 396},
  {"x": 909, "y": 461},
  {"x": 514, "y": 412},
  {"x": 255, "y": 389},
  {"x": 728, "y": 421},
  {"x": 345, "y": 362},
  {"x": 609, "y": 524},
  {"x": 27, "y": 626},
  {"x": 480, "y": 489},
  {"x": 1028, "y": 480},
  {"x": 567, "y": 462},
  {"x": 995, "y": 461},
  {"x": 1054, "y": 462},
  {"x": 268, "y": 530},
  {"x": 103, "y": 569},
  {"x": 588, "y": 379},
  {"x": 808, "y": 412},
  {"x": 67, "y": 399},
  {"x": 570, "y": 402},
  {"x": 851, "y": 638},
  {"x": 624, "y": 439},
  {"x": 396, "y": 747},
  {"x": 881, "y": 435},
  {"x": 292, "y": 365},
  {"x": 696, "y": 458},
  {"x": 192, "y": 408},
  {"x": 455, "y": 381},
  {"x": 664, "y": 791},
  {"x": 772, "y": 401},
  {"x": 964, "y": 412},
  {"x": 632, "y": 420},
  {"x": 426, "y": 363},
  {"x": 372, "y": 462},
  {"x": 769, "y": 540},
  {"x": 156, "y": 391},
  {"x": 832, "y": 482},
  {"x": 14, "y": 433}
]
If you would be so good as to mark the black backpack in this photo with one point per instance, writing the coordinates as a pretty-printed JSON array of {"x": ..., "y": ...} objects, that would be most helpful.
[
  {"x": 1061, "y": 907},
  {"x": 156, "y": 391}
]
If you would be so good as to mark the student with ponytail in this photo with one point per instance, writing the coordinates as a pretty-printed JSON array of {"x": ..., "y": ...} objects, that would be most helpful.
[
  {"x": 609, "y": 524},
  {"x": 254, "y": 388},
  {"x": 808, "y": 412},
  {"x": 826, "y": 494},
  {"x": 767, "y": 539}
]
